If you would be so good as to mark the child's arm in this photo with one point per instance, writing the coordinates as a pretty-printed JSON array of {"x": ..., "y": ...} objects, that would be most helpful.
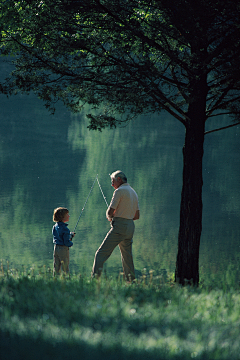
[{"x": 67, "y": 239}]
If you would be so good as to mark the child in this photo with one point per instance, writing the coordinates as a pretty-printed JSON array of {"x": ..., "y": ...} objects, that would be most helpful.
[{"x": 61, "y": 239}]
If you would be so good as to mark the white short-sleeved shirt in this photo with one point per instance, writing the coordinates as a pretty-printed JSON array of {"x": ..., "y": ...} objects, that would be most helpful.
[{"x": 125, "y": 202}]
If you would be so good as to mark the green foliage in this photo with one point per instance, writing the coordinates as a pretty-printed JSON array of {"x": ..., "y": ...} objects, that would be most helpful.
[
  {"x": 100, "y": 122},
  {"x": 133, "y": 56},
  {"x": 65, "y": 318}
]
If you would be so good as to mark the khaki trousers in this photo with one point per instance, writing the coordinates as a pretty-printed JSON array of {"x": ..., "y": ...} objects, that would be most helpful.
[
  {"x": 60, "y": 258},
  {"x": 121, "y": 234}
]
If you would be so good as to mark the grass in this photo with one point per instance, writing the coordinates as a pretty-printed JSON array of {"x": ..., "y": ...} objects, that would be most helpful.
[{"x": 42, "y": 317}]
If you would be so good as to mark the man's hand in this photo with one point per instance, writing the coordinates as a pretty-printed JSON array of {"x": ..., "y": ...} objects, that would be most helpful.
[
  {"x": 110, "y": 213},
  {"x": 137, "y": 215}
]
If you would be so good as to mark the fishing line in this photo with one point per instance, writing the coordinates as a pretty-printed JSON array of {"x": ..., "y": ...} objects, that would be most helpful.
[
  {"x": 85, "y": 203},
  {"x": 104, "y": 197},
  {"x": 102, "y": 191}
]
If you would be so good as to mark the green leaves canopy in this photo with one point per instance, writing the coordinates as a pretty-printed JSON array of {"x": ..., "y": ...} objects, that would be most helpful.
[{"x": 132, "y": 56}]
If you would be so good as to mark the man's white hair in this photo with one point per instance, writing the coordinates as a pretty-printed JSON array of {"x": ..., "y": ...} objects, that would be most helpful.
[{"x": 120, "y": 174}]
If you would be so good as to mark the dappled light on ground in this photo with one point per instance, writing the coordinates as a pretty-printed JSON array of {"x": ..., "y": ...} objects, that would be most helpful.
[{"x": 63, "y": 318}]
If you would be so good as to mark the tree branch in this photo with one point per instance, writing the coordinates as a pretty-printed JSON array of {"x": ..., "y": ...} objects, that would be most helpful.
[{"x": 222, "y": 128}]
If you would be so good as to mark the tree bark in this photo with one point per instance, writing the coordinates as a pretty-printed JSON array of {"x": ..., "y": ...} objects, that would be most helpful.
[{"x": 187, "y": 264}]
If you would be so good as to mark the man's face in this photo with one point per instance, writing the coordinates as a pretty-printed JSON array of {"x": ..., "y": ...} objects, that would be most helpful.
[{"x": 116, "y": 182}]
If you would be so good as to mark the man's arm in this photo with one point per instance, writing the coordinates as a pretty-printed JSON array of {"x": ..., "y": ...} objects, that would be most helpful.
[
  {"x": 110, "y": 213},
  {"x": 137, "y": 215}
]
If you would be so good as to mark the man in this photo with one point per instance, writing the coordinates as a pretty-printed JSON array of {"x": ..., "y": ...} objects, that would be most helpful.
[{"x": 123, "y": 209}]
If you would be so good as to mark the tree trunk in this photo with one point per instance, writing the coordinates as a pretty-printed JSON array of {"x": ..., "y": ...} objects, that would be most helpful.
[{"x": 187, "y": 265}]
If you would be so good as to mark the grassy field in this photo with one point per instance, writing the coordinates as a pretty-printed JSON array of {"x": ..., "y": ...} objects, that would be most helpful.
[{"x": 43, "y": 318}]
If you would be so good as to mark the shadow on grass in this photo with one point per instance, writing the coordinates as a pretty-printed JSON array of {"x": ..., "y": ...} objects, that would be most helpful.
[
  {"x": 60, "y": 320},
  {"x": 15, "y": 347}
]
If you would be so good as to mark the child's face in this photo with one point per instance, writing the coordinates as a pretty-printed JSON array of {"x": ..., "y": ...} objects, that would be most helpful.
[{"x": 66, "y": 218}]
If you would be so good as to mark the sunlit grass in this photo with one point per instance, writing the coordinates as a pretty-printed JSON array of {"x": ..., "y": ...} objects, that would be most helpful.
[{"x": 74, "y": 317}]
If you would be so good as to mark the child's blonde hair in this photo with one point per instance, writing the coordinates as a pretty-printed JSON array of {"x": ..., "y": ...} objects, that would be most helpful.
[{"x": 59, "y": 213}]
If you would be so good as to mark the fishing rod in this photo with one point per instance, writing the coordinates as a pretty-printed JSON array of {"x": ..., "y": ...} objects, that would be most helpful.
[
  {"x": 85, "y": 203},
  {"x": 104, "y": 197}
]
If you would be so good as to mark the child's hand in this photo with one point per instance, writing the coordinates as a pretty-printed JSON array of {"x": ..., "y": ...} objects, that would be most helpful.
[{"x": 72, "y": 234}]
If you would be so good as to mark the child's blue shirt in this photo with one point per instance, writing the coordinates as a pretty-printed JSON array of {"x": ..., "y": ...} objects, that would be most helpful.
[{"x": 61, "y": 234}]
